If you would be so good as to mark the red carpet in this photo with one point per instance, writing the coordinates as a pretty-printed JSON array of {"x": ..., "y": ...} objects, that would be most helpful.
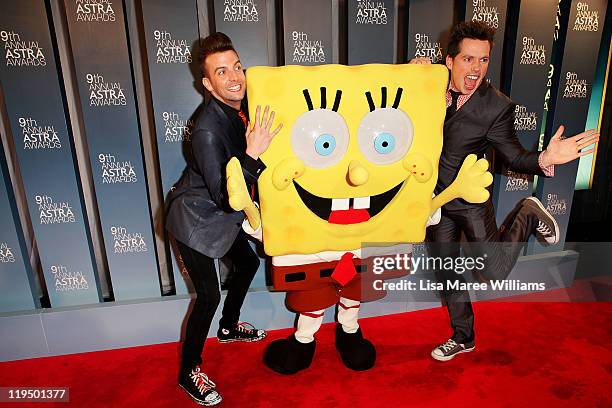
[{"x": 527, "y": 355}]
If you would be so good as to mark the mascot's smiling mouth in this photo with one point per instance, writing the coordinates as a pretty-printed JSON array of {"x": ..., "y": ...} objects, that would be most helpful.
[{"x": 346, "y": 210}]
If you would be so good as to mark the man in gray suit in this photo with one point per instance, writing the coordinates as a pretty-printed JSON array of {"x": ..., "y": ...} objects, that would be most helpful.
[
  {"x": 479, "y": 117},
  {"x": 200, "y": 217}
]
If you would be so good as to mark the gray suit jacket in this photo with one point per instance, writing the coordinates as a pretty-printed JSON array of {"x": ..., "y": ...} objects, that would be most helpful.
[
  {"x": 486, "y": 120},
  {"x": 199, "y": 214}
]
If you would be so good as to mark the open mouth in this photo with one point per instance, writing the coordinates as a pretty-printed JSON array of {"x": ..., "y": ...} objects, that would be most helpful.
[
  {"x": 346, "y": 210},
  {"x": 471, "y": 81}
]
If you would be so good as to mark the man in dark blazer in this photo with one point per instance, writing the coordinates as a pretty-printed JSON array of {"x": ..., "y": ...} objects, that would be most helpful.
[
  {"x": 479, "y": 117},
  {"x": 200, "y": 218}
]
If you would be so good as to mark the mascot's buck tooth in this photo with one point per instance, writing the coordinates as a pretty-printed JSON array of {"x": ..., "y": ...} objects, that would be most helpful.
[{"x": 356, "y": 163}]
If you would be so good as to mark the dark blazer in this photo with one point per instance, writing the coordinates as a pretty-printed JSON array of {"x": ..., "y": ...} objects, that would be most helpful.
[
  {"x": 485, "y": 120},
  {"x": 199, "y": 214}
]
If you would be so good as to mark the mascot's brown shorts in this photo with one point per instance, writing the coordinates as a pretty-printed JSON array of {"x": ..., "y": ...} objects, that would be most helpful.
[{"x": 311, "y": 287}]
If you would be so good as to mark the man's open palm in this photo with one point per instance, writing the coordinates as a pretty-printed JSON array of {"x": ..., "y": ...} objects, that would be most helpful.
[{"x": 560, "y": 151}]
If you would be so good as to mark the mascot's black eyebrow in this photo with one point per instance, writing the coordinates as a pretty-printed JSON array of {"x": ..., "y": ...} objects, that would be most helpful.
[
  {"x": 323, "y": 99},
  {"x": 383, "y": 103}
]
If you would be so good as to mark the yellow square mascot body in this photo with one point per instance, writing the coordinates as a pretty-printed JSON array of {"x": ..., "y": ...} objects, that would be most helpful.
[{"x": 356, "y": 162}]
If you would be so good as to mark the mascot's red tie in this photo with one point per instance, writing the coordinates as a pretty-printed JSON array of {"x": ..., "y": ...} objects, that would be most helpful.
[{"x": 345, "y": 269}]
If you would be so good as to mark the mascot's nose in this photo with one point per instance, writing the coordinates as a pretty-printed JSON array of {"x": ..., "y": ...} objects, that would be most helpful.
[{"x": 357, "y": 174}]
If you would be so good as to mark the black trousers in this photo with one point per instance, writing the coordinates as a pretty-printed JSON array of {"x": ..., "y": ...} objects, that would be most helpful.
[
  {"x": 502, "y": 247},
  {"x": 202, "y": 272}
]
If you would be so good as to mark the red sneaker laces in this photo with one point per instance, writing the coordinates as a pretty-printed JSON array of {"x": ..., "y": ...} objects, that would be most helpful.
[
  {"x": 245, "y": 327},
  {"x": 201, "y": 380}
]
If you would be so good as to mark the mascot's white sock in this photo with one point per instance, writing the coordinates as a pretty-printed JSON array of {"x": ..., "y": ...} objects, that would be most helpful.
[
  {"x": 308, "y": 324},
  {"x": 348, "y": 311}
]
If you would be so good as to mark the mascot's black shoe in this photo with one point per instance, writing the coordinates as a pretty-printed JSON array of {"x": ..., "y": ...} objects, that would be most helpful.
[
  {"x": 288, "y": 356},
  {"x": 356, "y": 352}
]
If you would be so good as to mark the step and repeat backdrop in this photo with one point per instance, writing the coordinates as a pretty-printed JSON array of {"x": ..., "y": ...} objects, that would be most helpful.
[{"x": 98, "y": 100}]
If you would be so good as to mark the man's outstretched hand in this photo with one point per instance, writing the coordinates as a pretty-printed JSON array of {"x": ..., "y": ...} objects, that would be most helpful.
[
  {"x": 560, "y": 150},
  {"x": 259, "y": 136}
]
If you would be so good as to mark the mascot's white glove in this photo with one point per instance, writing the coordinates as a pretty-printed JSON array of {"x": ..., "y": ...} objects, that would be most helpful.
[
  {"x": 435, "y": 217},
  {"x": 258, "y": 233}
]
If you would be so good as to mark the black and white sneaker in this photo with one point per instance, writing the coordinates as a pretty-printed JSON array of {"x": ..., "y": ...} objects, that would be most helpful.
[
  {"x": 243, "y": 331},
  {"x": 447, "y": 351},
  {"x": 547, "y": 229},
  {"x": 199, "y": 387}
]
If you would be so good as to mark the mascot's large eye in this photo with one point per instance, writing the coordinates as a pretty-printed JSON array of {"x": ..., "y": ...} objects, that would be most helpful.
[
  {"x": 325, "y": 144},
  {"x": 320, "y": 138},
  {"x": 385, "y": 135}
]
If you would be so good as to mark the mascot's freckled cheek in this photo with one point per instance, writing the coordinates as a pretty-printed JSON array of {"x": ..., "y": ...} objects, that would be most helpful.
[
  {"x": 418, "y": 166},
  {"x": 289, "y": 169}
]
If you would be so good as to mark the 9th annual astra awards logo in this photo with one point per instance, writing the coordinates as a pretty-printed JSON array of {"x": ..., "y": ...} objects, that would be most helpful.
[
  {"x": 424, "y": 47},
  {"x": 524, "y": 120},
  {"x": 52, "y": 212},
  {"x": 556, "y": 205},
  {"x": 575, "y": 87},
  {"x": 305, "y": 49},
  {"x": 170, "y": 50},
  {"x": 116, "y": 171},
  {"x": 485, "y": 13},
  {"x": 126, "y": 242},
  {"x": 240, "y": 11},
  {"x": 586, "y": 19},
  {"x": 95, "y": 10},
  {"x": 66, "y": 280},
  {"x": 20, "y": 53},
  {"x": 176, "y": 129},
  {"x": 37, "y": 136},
  {"x": 102, "y": 93},
  {"x": 6, "y": 254},
  {"x": 516, "y": 181},
  {"x": 532, "y": 53},
  {"x": 371, "y": 12}
]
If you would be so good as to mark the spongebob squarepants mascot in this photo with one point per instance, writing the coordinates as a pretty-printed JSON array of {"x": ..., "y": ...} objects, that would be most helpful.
[{"x": 356, "y": 163}]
